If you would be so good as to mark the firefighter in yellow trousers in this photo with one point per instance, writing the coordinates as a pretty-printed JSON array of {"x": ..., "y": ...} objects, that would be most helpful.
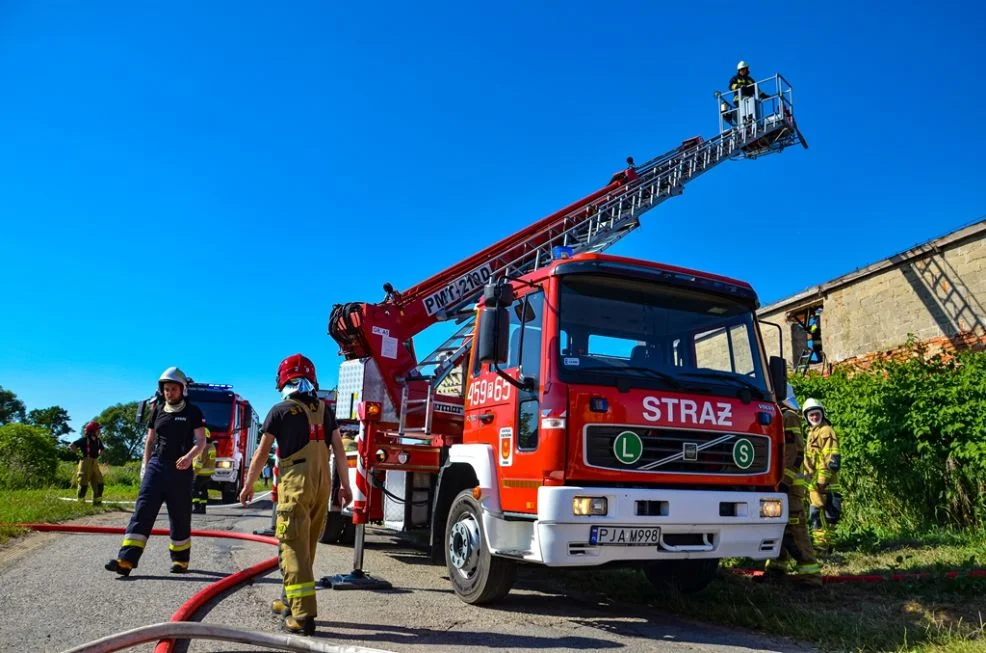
[
  {"x": 796, "y": 544},
  {"x": 205, "y": 467},
  {"x": 822, "y": 464},
  {"x": 90, "y": 446},
  {"x": 302, "y": 427}
]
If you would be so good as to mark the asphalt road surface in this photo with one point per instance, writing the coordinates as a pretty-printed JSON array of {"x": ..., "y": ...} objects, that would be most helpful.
[{"x": 55, "y": 594}]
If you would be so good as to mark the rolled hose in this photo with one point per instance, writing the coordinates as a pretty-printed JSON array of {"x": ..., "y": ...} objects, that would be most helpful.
[{"x": 179, "y": 627}]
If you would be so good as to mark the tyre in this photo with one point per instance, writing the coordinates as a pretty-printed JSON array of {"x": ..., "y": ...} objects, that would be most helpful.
[
  {"x": 477, "y": 577},
  {"x": 348, "y": 537},
  {"x": 684, "y": 576},
  {"x": 231, "y": 491},
  {"x": 335, "y": 524}
]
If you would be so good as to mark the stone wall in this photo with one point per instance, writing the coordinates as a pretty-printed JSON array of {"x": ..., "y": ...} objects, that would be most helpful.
[{"x": 936, "y": 291}]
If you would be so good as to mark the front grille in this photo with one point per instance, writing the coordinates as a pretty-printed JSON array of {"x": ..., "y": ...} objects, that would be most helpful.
[{"x": 670, "y": 451}]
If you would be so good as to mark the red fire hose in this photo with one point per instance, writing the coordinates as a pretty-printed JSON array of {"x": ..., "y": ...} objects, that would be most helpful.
[{"x": 203, "y": 596}]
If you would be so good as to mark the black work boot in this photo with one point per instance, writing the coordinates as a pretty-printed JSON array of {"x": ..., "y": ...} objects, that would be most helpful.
[
  {"x": 121, "y": 567},
  {"x": 179, "y": 567},
  {"x": 298, "y": 627}
]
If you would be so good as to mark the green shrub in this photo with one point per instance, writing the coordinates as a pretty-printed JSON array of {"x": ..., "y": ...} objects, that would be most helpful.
[
  {"x": 912, "y": 434},
  {"x": 28, "y": 457},
  {"x": 65, "y": 475},
  {"x": 126, "y": 474}
]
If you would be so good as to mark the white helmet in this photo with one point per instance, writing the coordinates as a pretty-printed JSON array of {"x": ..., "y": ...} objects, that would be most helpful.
[
  {"x": 812, "y": 404},
  {"x": 741, "y": 65},
  {"x": 174, "y": 375}
]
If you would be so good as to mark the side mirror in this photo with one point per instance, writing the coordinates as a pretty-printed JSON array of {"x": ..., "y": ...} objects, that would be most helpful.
[
  {"x": 494, "y": 332},
  {"x": 141, "y": 408},
  {"x": 778, "y": 377}
]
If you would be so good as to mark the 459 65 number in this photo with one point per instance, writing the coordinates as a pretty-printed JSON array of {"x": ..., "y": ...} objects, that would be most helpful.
[{"x": 486, "y": 390}]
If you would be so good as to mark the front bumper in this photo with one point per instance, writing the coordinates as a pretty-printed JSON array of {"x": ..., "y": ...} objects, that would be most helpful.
[{"x": 692, "y": 523}]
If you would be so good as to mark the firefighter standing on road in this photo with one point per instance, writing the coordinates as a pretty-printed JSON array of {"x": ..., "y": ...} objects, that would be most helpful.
[
  {"x": 175, "y": 437},
  {"x": 205, "y": 467},
  {"x": 822, "y": 464},
  {"x": 796, "y": 544},
  {"x": 90, "y": 445},
  {"x": 300, "y": 425}
]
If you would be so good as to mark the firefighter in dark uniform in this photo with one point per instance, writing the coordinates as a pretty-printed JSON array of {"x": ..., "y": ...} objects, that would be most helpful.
[
  {"x": 175, "y": 437},
  {"x": 796, "y": 544},
  {"x": 90, "y": 445},
  {"x": 300, "y": 425}
]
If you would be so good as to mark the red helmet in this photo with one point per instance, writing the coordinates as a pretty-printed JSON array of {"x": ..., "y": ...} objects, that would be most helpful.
[
  {"x": 91, "y": 427},
  {"x": 294, "y": 367}
]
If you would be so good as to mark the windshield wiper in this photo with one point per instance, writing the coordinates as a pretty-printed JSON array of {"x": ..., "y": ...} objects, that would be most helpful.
[{"x": 720, "y": 376}]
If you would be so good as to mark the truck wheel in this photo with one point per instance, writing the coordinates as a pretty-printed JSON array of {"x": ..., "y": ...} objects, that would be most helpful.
[
  {"x": 477, "y": 577},
  {"x": 231, "y": 492},
  {"x": 335, "y": 523},
  {"x": 348, "y": 536},
  {"x": 685, "y": 576}
]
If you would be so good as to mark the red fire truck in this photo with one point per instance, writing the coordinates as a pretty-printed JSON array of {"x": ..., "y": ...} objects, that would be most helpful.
[{"x": 589, "y": 409}]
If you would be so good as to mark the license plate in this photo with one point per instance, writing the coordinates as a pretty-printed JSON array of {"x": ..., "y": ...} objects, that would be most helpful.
[{"x": 623, "y": 536}]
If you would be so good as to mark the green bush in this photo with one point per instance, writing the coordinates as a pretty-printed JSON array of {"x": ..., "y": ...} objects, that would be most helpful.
[
  {"x": 65, "y": 475},
  {"x": 28, "y": 457},
  {"x": 912, "y": 435},
  {"x": 126, "y": 474}
]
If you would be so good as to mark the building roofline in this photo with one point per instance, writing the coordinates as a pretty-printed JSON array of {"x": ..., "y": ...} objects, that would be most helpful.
[{"x": 818, "y": 292}]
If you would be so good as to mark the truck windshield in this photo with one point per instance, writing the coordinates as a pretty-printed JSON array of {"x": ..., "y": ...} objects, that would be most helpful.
[
  {"x": 217, "y": 413},
  {"x": 612, "y": 330}
]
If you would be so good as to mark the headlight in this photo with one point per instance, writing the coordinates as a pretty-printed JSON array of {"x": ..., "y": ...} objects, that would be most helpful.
[
  {"x": 225, "y": 464},
  {"x": 585, "y": 506},
  {"x": 771, "y": 508}
]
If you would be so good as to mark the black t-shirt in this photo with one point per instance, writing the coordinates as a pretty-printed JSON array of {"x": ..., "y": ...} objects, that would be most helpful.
[
  {"x": 90, "y": 447},
  {"x": 174, "y": 433},
  {"x": 288, "y": 423}
]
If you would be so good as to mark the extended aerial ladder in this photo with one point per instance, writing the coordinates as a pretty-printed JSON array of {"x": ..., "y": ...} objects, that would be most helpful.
[
  {"x": 382, "y": 371},
  {"x": 376, "y": 339}
]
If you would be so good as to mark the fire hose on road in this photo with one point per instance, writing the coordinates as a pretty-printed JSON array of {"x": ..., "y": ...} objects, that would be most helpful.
[{"x": 179, "y": 627}]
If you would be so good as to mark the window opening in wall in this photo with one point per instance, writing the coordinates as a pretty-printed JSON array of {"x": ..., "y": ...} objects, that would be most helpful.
[{"x": 806, "y": 336}]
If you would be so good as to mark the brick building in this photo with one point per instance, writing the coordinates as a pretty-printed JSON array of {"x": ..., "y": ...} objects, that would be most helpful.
[{"x": 935, "y": 291}]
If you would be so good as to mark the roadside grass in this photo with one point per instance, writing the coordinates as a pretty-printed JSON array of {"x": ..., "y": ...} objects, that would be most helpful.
[
  {"x": 932, "y": 614},
  {"x": 40, "y": 506},
  {"x": 122, "y": 482}
]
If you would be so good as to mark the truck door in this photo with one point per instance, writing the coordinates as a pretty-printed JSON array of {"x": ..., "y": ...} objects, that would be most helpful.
[{"x": 508, "y": 417}]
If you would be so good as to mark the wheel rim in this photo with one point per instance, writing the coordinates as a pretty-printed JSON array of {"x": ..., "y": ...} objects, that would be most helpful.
[{"x": 463, "y": 546}]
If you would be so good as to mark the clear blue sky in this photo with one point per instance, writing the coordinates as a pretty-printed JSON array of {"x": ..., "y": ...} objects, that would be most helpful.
[{"x": 196, "y": 184}]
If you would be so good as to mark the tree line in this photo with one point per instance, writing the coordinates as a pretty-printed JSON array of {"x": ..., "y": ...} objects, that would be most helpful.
[{"x": 122, "y": 436}]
